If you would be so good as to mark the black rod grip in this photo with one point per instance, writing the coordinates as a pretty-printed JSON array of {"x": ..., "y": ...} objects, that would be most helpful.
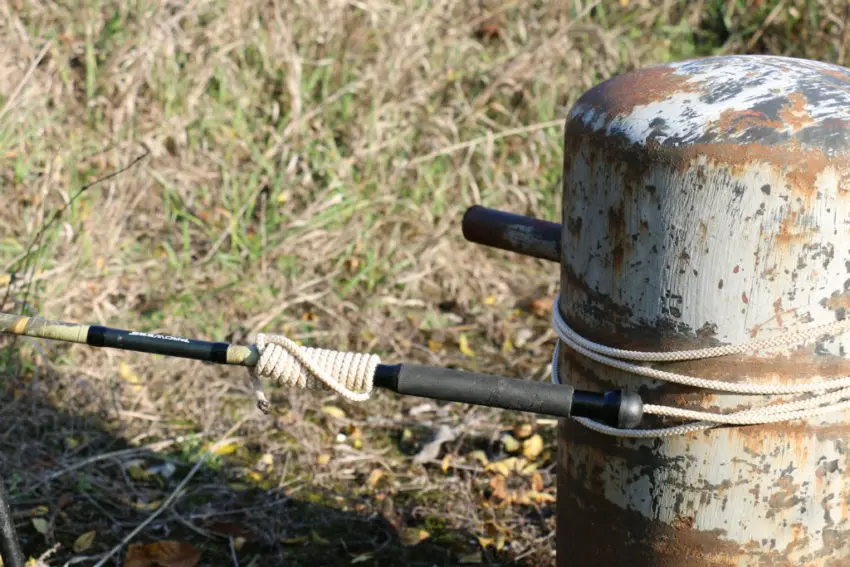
[
  {"x": 484, "y": 390},
  {"x": 512, "y": 232}
]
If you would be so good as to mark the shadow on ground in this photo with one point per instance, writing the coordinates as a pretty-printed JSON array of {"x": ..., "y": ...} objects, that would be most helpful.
[{"x": 71, "y": 471}]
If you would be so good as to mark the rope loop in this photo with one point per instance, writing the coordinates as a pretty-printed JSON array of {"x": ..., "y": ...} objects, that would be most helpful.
[
  {"x": 285, "y": 363},
  {"x": 817, "y": 396}
]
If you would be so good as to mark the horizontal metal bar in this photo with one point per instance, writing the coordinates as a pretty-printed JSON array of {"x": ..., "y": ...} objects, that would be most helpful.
[{"x": 512, "y": 232}]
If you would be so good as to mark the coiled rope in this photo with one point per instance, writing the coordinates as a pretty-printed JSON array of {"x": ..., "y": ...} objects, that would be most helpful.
[
  {"x": 825, "y": 396},
  {"x": 285, "y": 363}
]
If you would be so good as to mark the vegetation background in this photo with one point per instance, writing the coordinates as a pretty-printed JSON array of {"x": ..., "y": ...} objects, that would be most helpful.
[{"x": 307, "y": 166}]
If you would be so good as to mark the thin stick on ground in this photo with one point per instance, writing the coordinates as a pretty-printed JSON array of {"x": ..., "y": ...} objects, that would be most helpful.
[{"x": 177, "y": 491}]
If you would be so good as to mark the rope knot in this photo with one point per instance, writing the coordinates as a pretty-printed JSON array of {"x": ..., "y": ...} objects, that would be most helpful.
[{"x": 284, "y": 363}]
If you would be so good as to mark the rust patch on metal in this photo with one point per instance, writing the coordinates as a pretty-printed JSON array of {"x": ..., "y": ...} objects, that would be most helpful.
[
  {"x": 794, "y": 114},
  {"x": 620, "y": 95}
]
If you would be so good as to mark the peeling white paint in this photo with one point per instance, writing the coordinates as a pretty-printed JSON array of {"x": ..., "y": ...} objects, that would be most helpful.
[{"x": 690, "y": 115}]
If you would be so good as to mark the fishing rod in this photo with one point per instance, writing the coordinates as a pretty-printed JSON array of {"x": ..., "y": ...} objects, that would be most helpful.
[
  {"x": 617, "y": 408},
  {"x": 531, "y": 237}
]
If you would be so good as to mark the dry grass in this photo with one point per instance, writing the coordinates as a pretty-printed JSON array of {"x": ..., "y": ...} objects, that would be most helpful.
[{"x": 308, "y": 167}]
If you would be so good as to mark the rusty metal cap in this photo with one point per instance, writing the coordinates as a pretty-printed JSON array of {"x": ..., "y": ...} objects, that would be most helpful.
[{"x": 790, "y": 112}]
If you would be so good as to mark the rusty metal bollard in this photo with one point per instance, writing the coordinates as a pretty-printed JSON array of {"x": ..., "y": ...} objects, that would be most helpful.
[{"x": 707, "y": 202}]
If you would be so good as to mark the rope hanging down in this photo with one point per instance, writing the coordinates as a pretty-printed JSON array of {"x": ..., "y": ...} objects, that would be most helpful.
[{"x": 825, "y": 396}]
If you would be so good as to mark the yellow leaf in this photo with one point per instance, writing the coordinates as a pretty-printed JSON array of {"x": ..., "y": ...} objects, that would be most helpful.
[
  {"x": 532, "y": 447},
  {"x": 486, "y": 542},
  {"x": 226, "y": 448},
  {"x": 528, "y": 468},
  {"x": 434, "y": 346},
  {"x": 463, "y": 344},
  {"x": 126, "y": 373},
  {"x": 510, "y": 444},
  {"x": 333, "y": 411},
  {"x": 99, "y": 263},
  {"x": 255, "y": 476},
  {"x": 479, "y": 456},
  {"x": 294, "y": 540},
  {"x": 507, "y": 346},
  {"x": 316, "y": 538},
  {"x": 446, "y": 462},
  {"x": 491, "y": 300},
  {"x": 39, "y": 511},
  {"x": 412, "y": 536},
  {"x": 238, "y": 542},
  {"x": 323, "y": 459},
  {"x": 266, "y": 462},
  {"x": 539, "y": 497},
  {"x": 504, "y": 467},
  {"x": 41, "y": 525},
  {"x": 375, "y": 477},
  {"x": 84, "y": 542}
]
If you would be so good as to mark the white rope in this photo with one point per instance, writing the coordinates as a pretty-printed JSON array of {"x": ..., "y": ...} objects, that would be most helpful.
[
  {"x": 825, "y": 395},
  {"x": 284, "y": 363}
]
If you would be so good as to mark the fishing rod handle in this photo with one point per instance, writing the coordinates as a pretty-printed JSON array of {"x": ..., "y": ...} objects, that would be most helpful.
[{"x": 617, "y": 408}]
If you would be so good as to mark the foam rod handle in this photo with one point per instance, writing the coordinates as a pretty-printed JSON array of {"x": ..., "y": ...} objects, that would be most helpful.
[{"x": 485, "y": 390}]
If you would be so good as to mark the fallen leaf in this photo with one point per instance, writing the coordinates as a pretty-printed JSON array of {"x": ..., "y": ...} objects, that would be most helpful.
[
  {"x": 463, "y": 344},
  {"x": 238, "y": 542},
  {"x": 446, "y": 462},
  {"x": 137, "y": 556},
  {"x": 374, "y": 477},
  {"x": 357, "y": 559},
  {"x": 84, "y": 542},
  {"x": 266, "y": 462},
  {"x": 490, "y": 300},
  {"x": 434, "y": 346},
  {"x": 542, "y": 306},
  {"x": 532, "y": 447},
  {"x": 226, "y": 448},
  {"x": 536, "y": 482},
  {"x": 504, "y": 467},
  {"x": 130, "y": 377},
  {"x": 172, "y": 554},
  {"x": 507, "y": 346},
  {"x": 323, "y": 459},
  {"x": 510, "y": 444},
  {"x": 497, "y": 485},
  {"x": 41, "y": 525},
  {"x": 333, "y": 411},
  {"x": 479, "y": 456},
  {"x": 412, "y": 536},
  {"x": 39, "y": 511},
  {"x": 294, "y": 540}
]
